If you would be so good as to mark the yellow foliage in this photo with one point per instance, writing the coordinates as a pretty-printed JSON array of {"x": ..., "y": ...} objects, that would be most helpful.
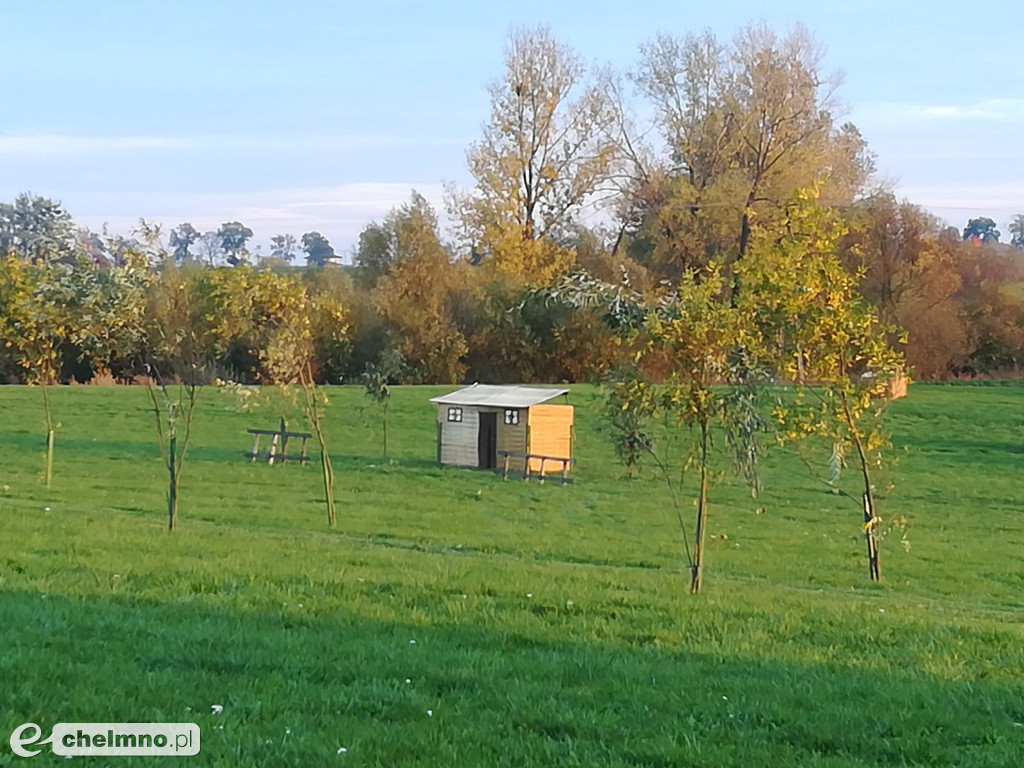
[{"x": 535, "y": 263}]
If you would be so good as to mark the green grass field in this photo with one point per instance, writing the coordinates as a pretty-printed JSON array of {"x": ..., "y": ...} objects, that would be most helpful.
[{"x": 452, "y": 619}]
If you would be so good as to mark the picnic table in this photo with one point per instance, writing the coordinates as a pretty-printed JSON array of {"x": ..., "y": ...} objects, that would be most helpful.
[
  {"x": 564, "y": 462},
  {"x": 278, "y": 450}
]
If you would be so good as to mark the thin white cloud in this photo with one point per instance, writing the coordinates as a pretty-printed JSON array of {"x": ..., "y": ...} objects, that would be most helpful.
[
  {"x": 54, "y": 144},
  {"x": 342, "y": 202},
  {"x": 958, "y": 203},
  {"x": 993, "y": 110},
  {"x": 1000, "y": 197}
]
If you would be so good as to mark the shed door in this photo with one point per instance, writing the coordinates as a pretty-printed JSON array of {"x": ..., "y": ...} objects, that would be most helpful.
[{"x": 487, "y": 442}]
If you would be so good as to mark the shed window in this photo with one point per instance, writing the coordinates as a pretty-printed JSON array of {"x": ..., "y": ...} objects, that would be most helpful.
[
  {"x": 512, "y": 416},
  {"x": 454, "y": 414}
]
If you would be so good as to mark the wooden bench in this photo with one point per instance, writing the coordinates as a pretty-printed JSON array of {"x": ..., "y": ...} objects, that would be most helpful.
[
  {"x": 564, "y": 462},
  {"x": 278, "y": 445}
]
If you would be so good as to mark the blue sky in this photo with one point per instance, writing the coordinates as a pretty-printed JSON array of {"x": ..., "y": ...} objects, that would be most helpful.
[{"x": 318, "y": 114}]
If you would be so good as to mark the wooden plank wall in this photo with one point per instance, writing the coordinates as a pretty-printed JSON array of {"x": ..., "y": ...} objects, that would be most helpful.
[
  {"x": 512, "y": 437},
  {"x": 550, "y": 434},
  {"x": 459, "y": 445}
]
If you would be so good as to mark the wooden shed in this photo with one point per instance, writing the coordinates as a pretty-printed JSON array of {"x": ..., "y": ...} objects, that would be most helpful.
[{"x": 478, "y": 424}]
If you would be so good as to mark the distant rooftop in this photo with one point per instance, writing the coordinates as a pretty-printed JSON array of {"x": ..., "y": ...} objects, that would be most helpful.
[{"x": 499, "y": 396}]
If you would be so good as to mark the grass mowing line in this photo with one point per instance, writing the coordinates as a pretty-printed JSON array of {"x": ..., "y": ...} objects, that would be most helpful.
[{"x": 332, "y": 537}]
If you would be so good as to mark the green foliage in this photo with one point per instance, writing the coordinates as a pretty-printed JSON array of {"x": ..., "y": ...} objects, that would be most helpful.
[
  {"x": 982, "y": 229},
  {"x": 34, "y": 298},
  {"x": 377, "y": 380},
  {"x": 36, "y": 229},
  {"x": 630, "y": 407},
  {"x": 283, "y": 247},
  {"x": 376, "y": 253},
  {"x": 289, "y": 357},
  {"x": 233, "y": 235},
  {"x": 183, "y": 237},
  {"x": 319, "y": 251},
  {"x": 35, "y": 322},
  {"x": 1017, "y": 231},
  {"x": 827, "y": 340},
  {"x": 416, "y": 297}
]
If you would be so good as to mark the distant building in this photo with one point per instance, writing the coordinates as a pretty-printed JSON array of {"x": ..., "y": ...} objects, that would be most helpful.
[{"x": 475, "y": 423}]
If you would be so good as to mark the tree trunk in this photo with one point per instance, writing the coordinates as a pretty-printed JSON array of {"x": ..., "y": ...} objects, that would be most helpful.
[
  {"x": 328, "y": 474},
  {"x": 172, "y": 485},
  {"x": 874, "y": 566},
  {"x": 49, "y": 436},
  {"x": 744, "y": 233},
  {"x": 697, "y": 571},
  {"x": 744, "y": 243},
  {"x": 870, "y": 519},
  {"x": 49, "y": 458},
  {"x": 309, "y": 395}
]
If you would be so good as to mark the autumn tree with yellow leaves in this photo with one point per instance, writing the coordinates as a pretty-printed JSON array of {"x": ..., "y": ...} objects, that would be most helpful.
[
  {"x": 825, "y": 339},
  {"x": 415, "y": 294},
  {"x": 545, "y": 152},
  {"x": 745, "y": 122},
  {"x": 35, "y": 324},
  {"x": 48, "y": 305}
]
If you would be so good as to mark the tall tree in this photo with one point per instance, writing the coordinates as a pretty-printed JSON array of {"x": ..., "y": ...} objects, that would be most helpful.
[
  {"x": 1017, "y": 231},
  {"x": 283, "y": 247},
  {"x": 911, "y": 275},
  {"x": 318, "y": 249},
  {"x": 982, "y": 230},
  {"x": 37, "y": 228},
  {"x": 746, "y": 123},
  {"x": 415, "y": 297},
  {"x": 183, "y": 237},
  {"x": 208, "y": 246},
  {"x": 375, "y": 254},
  {"x": 233, "y": 236},
  {"x": 545, "y": 151}
]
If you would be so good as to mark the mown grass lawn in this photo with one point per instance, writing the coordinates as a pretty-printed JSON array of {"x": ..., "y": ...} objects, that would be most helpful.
[{"x": 452, "y": 619}]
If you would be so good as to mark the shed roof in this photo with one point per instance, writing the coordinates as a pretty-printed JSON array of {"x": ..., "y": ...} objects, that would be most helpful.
[{"x": 499, "y": 396}]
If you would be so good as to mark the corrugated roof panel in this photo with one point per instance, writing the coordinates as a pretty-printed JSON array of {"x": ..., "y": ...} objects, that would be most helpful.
[{"x": 499, "y": 396}]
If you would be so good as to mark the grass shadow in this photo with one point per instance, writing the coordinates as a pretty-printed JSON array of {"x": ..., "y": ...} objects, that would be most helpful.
[{"x": 295, "y": 686}]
